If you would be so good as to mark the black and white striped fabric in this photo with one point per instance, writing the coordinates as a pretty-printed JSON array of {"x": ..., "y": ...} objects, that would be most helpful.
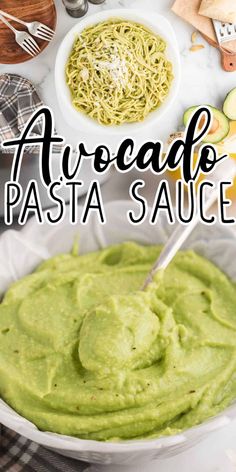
[{"x": 18, "y": 454}]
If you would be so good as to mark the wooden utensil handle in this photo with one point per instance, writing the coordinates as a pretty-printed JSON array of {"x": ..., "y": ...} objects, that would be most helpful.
[{"x": 228, "y": 60}]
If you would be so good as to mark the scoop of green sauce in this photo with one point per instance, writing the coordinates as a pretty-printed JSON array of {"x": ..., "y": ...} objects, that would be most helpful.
[{"x": 84, "y": 352}]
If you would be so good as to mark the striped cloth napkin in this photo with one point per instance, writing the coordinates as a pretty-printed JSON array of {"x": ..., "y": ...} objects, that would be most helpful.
[{"x": 18, "y": 454}]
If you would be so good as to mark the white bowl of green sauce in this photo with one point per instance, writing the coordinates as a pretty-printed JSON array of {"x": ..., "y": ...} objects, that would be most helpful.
[{"x": 21, "y": 252}]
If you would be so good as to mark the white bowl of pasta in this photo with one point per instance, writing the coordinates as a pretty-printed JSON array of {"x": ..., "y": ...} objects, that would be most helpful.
[{"x": 117, "y": 71}]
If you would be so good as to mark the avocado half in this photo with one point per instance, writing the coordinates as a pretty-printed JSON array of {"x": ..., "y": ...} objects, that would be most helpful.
[
  {"x": 219, "y": 128},
  {"x": 229, "y": 107}
]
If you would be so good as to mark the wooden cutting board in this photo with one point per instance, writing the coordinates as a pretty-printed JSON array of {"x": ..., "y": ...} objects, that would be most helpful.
[
  {"x": 28, "y": 10},
  {"x": 189, "y": 12}
]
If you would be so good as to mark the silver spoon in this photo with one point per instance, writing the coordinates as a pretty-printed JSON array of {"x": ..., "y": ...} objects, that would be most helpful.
[{"x": 227, "y": 169}]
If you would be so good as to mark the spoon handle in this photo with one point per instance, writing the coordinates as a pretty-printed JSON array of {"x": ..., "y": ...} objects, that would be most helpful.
[
  {"x": 172, "y": 246},
  {"x": 181, "y": 233}
]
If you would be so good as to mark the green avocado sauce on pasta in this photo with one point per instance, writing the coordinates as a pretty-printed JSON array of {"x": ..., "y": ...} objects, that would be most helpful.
[{"x": 118, "y": 72}]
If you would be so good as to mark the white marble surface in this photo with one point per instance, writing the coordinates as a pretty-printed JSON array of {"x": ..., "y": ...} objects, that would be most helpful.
[{"x": 203, "y": 81}]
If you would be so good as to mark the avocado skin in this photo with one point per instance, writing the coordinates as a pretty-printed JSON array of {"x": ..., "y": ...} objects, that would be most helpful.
[
  {"x": 229, "y": 107},
  {"x": 221, "y": 132}
]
